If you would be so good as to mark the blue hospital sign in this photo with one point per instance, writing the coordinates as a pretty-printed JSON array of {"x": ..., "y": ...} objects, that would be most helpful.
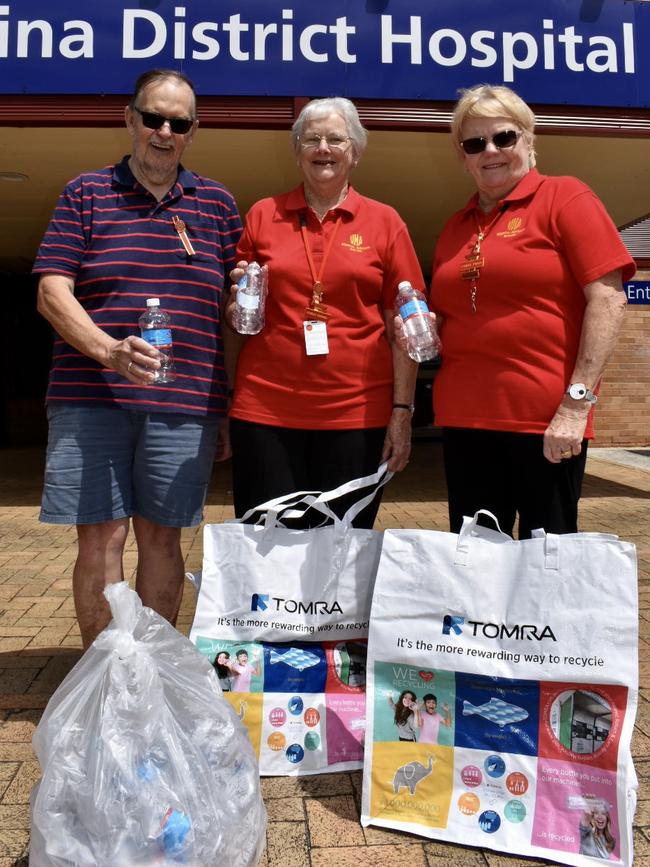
[
  {"x": 638, "y": 292},
  {"x": 583, "y": 52}
]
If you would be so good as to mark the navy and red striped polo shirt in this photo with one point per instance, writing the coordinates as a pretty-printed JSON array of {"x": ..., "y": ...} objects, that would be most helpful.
[{"x": 121, "y": 247}]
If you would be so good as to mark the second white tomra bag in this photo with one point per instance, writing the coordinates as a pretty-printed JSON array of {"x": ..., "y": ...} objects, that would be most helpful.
[
  {"x": 502, "y": 690},
  {"x": 283, "y": 616}
]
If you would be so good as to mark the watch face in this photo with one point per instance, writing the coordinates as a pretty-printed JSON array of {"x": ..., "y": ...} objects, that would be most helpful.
[{"x": 577, "y": 391}]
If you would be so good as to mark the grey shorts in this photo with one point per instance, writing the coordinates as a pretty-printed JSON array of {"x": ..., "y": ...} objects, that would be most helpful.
[{"x": 109, "y": 463}]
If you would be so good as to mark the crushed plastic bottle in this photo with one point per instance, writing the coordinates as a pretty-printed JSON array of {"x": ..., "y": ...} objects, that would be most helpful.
[{"x": 248, "y": 315}]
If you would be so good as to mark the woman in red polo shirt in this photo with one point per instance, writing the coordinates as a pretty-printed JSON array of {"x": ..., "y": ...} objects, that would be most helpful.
[
  {"x": 322, "y": 394},
  {"x": 527, "y": 282}
]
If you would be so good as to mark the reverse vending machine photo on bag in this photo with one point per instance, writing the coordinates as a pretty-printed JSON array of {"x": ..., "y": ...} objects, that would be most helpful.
[
  {"x": 283, "y": 615},
  {"x": 502, "y": 689}
]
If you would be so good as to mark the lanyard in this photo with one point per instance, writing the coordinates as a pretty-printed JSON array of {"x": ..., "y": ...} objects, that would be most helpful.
[
  {"x": 471, "y": 269},
  {"x": 316, "y": 309}
]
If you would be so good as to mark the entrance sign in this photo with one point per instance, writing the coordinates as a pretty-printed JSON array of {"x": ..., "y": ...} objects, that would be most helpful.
[
  {"x": 552, "y": 51},
  {"x": 638, "y": 292}
]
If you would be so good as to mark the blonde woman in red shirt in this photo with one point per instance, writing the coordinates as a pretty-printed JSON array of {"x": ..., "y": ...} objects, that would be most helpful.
[{"x": 527, "y": 287}]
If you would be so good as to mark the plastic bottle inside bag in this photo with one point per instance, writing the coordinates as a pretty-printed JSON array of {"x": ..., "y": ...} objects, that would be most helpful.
[{"x": 143, "y": 761}]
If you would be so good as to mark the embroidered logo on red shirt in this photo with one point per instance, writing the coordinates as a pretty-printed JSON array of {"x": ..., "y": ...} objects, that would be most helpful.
[
  {"x": 356, "y": 244},
  {"x": 514, "y": 227}
]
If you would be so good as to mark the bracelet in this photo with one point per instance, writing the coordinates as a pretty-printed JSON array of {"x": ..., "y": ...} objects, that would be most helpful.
[{"x": 409, "y": 406}]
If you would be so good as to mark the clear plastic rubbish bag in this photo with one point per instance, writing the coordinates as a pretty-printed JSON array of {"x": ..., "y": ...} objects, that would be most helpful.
[{"x": 143, "y": 761}]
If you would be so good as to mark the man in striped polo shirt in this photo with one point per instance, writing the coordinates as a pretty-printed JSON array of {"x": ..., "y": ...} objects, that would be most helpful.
[{"x": 119, "y": 446}]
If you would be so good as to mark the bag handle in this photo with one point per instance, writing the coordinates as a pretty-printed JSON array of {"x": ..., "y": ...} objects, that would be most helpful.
[
  {"x": 471, "y": 528},
  {"x": 551, "y": 542},
  {"x": 290, "y": 506},
  {"x": 551, "y": 548}
]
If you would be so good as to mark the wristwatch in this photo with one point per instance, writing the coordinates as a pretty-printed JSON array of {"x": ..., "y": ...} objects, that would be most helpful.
[
  {"x": 409, "y": 406},
  {"x": 579, "y": 391}
]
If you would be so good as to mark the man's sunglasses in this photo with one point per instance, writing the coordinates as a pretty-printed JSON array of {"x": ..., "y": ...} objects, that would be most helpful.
[
  {"x": 178, "y": 125},
  {"x": 501, "y": 140}
]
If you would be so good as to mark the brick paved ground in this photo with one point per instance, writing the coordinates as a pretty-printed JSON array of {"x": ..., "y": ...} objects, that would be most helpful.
[{"x": 314, "y": 821}]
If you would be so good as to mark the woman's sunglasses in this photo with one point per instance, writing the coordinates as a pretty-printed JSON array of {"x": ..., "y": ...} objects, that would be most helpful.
[
  {"x": 501, "y": 140},
  {"x": 178, "y": 125}
]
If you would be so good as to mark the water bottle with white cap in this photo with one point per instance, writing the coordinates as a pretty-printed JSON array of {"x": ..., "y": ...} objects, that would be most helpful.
[
  {"x": 155, "y": 328},
  {"x": 422, "y": 340}
]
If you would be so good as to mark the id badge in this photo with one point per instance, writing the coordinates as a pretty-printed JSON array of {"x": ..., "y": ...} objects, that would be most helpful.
[{"x": 315, "y": 337}]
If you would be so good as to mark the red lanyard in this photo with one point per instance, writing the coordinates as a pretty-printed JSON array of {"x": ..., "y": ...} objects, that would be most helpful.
[{"x": 317, "y": 310}]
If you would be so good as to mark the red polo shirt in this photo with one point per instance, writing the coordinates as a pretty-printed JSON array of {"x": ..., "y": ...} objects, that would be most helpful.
[
  {"x": 352, "y": 386},
  {"x": 507, "y": 366}
]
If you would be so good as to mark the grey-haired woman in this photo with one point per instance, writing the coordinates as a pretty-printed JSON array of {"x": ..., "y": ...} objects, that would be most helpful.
[{"x": 322, "y": 394}]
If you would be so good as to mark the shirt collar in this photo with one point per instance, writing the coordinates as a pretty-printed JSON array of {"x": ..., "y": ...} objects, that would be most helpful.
[
  {"x": 123, "y": 176},
  {"x": 526, "y": 187},
  {"x": 296, "y": 201}
]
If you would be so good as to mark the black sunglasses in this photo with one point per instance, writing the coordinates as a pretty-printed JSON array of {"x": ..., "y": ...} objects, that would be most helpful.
[
  {"x": 178, "y": 125},
  {"x": 506, "y": 139}
]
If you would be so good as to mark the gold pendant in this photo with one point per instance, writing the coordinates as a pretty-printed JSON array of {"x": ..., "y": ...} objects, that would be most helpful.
[
  {"x": 471, "y": 270},
  {"x": 319, "y": 313},
  {"x": 317, "y": 310}
]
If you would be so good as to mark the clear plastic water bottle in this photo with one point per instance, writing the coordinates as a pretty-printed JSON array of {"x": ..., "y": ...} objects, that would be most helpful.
[
  {"x": 422, "y": 340},
  {"x": 155, "y": 328},
  {"x": 248, "y": 315}
]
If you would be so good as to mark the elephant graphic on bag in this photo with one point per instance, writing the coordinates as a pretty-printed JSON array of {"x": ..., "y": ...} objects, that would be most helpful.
[{"x": 410, "y": 775}]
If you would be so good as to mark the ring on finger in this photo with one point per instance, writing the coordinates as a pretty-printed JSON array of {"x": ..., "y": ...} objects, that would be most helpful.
[
  {"x": 128, "y": 369},
  {"x": 567, "y": 453}
]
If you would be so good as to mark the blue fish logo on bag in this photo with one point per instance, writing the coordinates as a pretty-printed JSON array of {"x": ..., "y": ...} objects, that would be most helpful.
[{"x": 497, "y": 711}]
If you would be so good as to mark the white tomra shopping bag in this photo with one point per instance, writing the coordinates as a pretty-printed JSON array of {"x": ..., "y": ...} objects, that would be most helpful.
[
  {"x": 283, "y": 616},
  {"x": 502, "y": 687}
]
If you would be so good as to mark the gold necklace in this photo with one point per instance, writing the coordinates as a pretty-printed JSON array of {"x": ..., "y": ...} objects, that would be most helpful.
[
  {"x": 471, "y": 269},
  {"x": 315, "y": 202}
]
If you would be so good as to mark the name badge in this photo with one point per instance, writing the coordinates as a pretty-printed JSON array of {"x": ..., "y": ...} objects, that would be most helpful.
[{"x": 315, "y": 337}]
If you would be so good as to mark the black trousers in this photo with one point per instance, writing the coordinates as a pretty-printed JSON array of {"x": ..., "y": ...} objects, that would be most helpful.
[
  {"x": 270, "y": 461},
  {"x": 508, "y": 474}
]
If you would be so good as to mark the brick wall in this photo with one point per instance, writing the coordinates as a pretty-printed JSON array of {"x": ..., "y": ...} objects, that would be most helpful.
[{"x": 623, "y": 412}]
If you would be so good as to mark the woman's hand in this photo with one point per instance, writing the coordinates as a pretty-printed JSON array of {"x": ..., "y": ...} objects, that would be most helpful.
[
  {"x": 399, "y": 334},
  {"x": 604, "y": 311},
  {"x": 563, "y": 437},
  {"x": 235, "y": 276},
  {"x": 397, "y": 443}
]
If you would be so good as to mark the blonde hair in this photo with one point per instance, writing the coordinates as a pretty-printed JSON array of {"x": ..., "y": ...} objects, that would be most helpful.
[{"x": 494, "y": 100}]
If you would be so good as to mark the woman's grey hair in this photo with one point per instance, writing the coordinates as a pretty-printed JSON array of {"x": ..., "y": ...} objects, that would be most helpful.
[
  {"x": 317, "y": 108},
  {"x": 494, "y": 100}
]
